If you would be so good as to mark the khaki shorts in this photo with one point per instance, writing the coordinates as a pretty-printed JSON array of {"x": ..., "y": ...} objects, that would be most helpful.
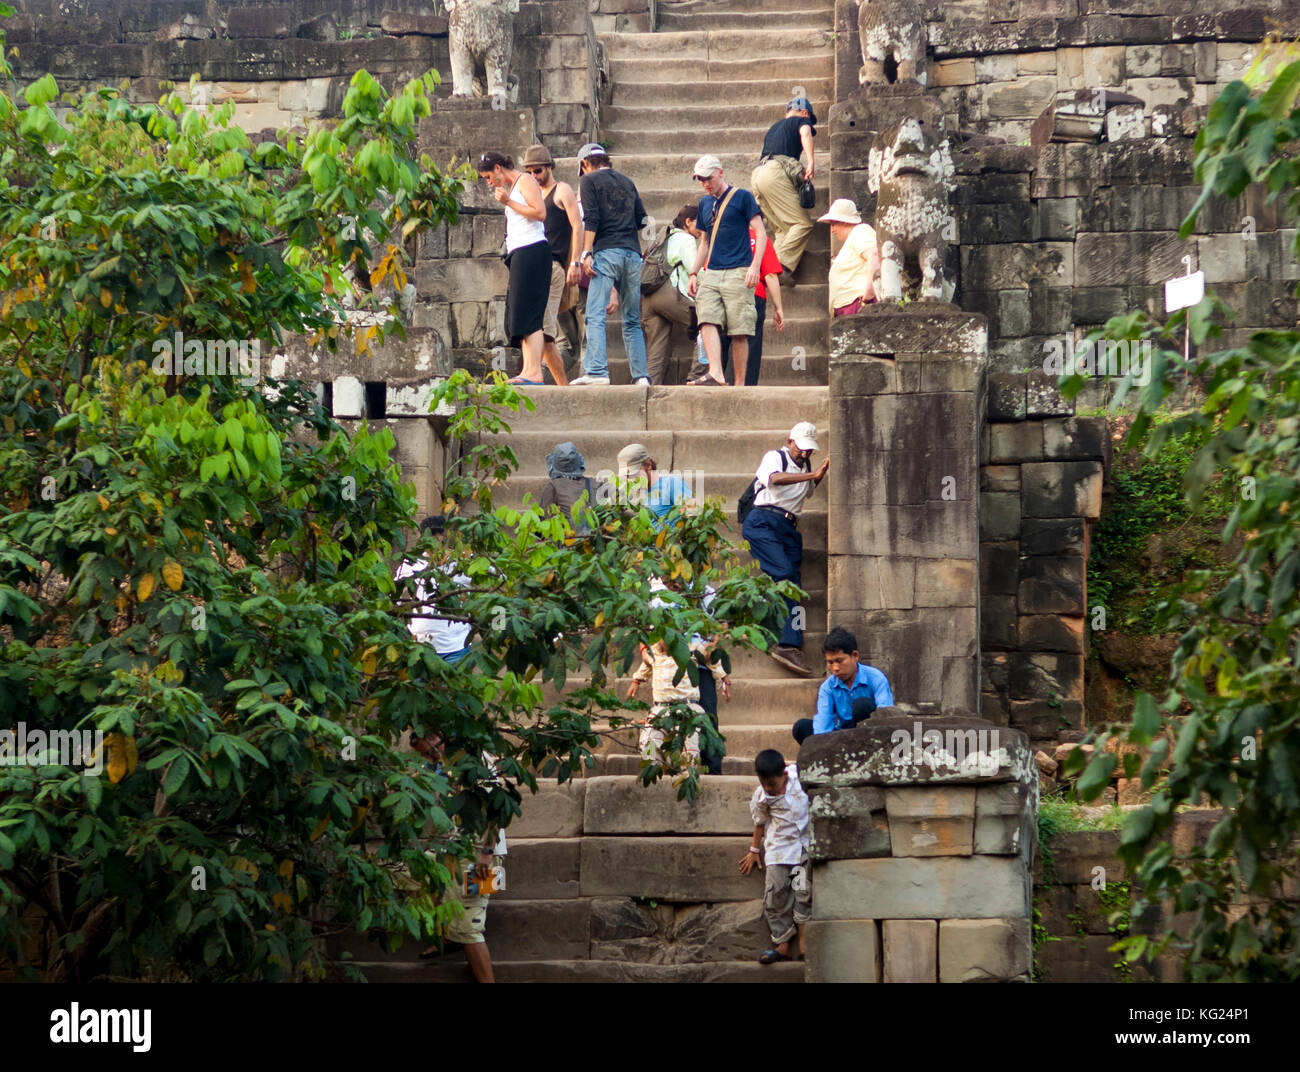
[
  {"x": 467, "y": 928},
  {"x": 787, "y": 899},
  {"x": 550, "y": 318},
  {"x": 724, "y": 300}
]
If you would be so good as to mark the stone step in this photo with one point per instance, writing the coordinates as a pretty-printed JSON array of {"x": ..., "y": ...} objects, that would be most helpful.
[
  {"x": 668, "y": 408},
  {"x": 743, "y": 45},
  {"x": 659, "y": 92},
  {"x": 664, "y": 202},
  {"x": 708, "y": 452},
  {"x": 701, "y": 20},
  {"x": 455, "y": 970},
  {"x": 810, "y": 332},
  {"x": 706, "y": 484},
  {"x": 670, "y": 174},
  {"x": 686, "y": 7},
  {"x": 641, "y": 124},
  {"x": 754, "y": 702},
  {"x": 778, "y": 369},
  {"x": 777, "y": 70},
  {"x": 743, "y": 742}
]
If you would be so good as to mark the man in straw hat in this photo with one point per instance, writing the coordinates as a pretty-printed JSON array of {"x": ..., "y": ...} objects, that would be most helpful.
[
  {"x": 564, "y": 235},
  {"x": 853, "y": 271}
]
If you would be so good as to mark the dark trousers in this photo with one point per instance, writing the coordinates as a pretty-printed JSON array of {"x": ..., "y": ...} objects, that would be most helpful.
[
  {"x": 777, "y": 545},
  {"x": 755, "y": 360},
  {"x": 709, "y": 701},
  {"x": 803, "y": 729}
]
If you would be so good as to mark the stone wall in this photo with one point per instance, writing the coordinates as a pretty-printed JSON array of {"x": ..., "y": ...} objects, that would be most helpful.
[
  {"x": 922, "y": 840},
  {"x": 907, "y": 396},
  {"x": 1060, "y": 226},
  {"x": 1080, "y": 884},
  {"x": 284, "y": 64}
]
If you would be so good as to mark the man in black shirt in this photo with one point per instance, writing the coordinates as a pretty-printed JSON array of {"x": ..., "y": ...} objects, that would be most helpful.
[
  {"x": 612, "y": 218},
  {"x": 789, "y": 142}
]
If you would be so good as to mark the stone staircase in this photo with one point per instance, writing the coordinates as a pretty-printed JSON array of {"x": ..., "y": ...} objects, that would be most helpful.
[
  {"x": 715, "y": 77},
  {"x": 608, "y": 880}
]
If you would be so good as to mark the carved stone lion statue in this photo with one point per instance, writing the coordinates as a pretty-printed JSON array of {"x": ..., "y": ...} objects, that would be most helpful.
[
  {"x": 481, "y": 37},
  {"x": 910, "y": 169},
  {"x": 891, "y": 30}
]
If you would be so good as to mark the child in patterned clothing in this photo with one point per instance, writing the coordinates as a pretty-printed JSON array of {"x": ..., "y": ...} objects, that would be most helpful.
[
  {"x": 659, "y": 668},
  {"x": 779, "y": 808}
]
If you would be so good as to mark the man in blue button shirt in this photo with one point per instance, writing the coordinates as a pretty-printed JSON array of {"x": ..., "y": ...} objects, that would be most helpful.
[
  {"x": 851, "y": 692},
  {"x": 664, "y": 492}
]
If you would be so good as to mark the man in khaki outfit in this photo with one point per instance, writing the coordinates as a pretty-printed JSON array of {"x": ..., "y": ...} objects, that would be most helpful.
[{"x": 787, "y": 160}]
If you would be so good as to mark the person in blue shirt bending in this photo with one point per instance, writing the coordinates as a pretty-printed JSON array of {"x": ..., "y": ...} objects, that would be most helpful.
[
  {"x": 662, "y": 492},
  {"x": 850, "y": 693}
]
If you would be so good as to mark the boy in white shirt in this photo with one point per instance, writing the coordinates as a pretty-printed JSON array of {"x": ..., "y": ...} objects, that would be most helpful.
[{"x": 779, "y": 808}]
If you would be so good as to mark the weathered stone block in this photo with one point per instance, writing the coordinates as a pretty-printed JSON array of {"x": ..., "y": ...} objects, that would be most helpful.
[
  {"x": 1005, "y": 818},
  {"x": 999, "y": 569},
  {"x": 680, "y": 869},
  {"x": 1051, "y": 632},
  {"x": 998, "y": 621},
  {"x": 1000, "y": 478},
  {"x": 1051, "y": 585},
  {"x": 470, "y": 279},
  {"x": 541, "y": 868},
  {"x": 1118, "y": 258},
  {"x": 539, "y": 930},
  {"x": 1061, "y": 489},
  {"x": 1075, "y": 857},
  {"x": 984, "y": 950},
  {"x": 895, "y": 748},
  {"x": 1075, "y": 438},
  {"x": 622, "y": 805},
  {"x": 1052, "y": 536},
  {"x": 931, "y": 822},
  {"x": 264, "y": 22},
  {"x": 1021, "y": 441},
  {"x": 843, "y": 951},
  {"x": 950, "y": 887},
  {"x": 1006, "y": 397},
  {"x": 1039, "y": 675},
  {"x": 877, "y": 583},
  {"x": 553, "y": 811},
  {"x": 933, "y": 328},
  {"x": 999, "y": 515},
  {"x": 945, "y": 582},
  {"x": 848, "y": 823},
  {"x": 1010, "y": 265},
  {"x": 910, "y": 950},
  {"x": 400, "y": 23}
]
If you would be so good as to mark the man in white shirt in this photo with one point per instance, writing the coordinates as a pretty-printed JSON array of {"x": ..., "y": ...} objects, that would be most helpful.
[
  {"x": 449, "y": 638},
  {"x": 785, "y": 478}
]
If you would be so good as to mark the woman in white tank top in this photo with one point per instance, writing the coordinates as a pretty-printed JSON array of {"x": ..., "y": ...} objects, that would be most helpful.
[{"x": 528, "y": 256}]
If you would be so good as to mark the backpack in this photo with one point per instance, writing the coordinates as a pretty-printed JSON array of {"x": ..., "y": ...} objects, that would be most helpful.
[
  {"x": 746, "y": 503},
  {"x": 655, "y": 271}
]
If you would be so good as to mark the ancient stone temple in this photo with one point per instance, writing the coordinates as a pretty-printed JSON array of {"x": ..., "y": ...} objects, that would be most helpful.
[{"x": 1026, "y": 164}]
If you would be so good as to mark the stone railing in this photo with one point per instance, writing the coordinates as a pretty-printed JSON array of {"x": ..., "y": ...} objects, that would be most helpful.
[{"x": 923, "y": 833}]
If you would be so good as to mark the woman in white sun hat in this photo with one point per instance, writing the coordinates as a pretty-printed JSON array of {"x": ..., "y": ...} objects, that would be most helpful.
[{"x": 853, "y": 271}]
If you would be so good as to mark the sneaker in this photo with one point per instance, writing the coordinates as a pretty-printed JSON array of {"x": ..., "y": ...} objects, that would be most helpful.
[
  {"x": 586, "y": 381},
  {"x": 792, "y": 659},
  {"x": 642, "y": 381}
]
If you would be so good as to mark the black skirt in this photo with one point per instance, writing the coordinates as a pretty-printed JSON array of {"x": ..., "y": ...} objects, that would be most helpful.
[{"x": 530, "y": 286}]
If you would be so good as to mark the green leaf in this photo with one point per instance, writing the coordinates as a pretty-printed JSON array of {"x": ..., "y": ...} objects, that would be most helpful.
[{"x": 175, "y": 776}]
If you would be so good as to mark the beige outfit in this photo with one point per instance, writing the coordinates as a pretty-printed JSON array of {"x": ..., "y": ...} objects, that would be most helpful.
[{"x": 790, "y": 223}]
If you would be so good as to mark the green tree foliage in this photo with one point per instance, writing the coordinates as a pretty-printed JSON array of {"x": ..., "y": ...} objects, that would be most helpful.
[
  {"x": 203, "y": 571},
  {"x": 1237, "y": 666}
]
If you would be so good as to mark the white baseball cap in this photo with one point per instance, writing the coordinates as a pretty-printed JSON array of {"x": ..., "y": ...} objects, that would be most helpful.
[
  {"x": 804, "y": 435},
  {"x": 706, "y": 166}
]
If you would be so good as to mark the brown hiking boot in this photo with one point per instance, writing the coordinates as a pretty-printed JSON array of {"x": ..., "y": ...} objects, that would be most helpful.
[{"x": 792, "y": 659}]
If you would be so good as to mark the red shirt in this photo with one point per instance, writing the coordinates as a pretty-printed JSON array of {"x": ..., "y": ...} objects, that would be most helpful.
[{"x": 770, "y": 264}]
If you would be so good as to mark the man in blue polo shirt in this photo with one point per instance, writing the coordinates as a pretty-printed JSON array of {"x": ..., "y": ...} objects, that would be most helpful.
[
  {"x": 850, "y": 694},
  {"x": 726, "y": 270}
]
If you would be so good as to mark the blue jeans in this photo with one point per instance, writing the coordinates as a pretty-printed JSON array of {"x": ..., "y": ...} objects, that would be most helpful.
[
  {"x": 619, "y": 268},
  {"x": 777, "y": 545},
  {"x": 454, "y": 656}
]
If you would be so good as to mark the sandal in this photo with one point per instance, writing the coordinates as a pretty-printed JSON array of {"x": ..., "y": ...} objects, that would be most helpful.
[
  {"x": 519, "y": 380},
  {"x": 772, "y": 956},
  {"x": 706, "y": 381}
]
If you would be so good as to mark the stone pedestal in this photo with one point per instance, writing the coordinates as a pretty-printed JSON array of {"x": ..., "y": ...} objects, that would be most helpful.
[
  {"x": 907, "y": 386},
  {"x": 923, "y": 835},
  {"x": 467, "y": 127}
]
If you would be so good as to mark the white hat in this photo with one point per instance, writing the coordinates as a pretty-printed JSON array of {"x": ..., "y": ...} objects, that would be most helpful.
[
  {"x": 842, "y": 211},
  {"x": 804, "y": 435},
  {"x": 706, "y": 166}
]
